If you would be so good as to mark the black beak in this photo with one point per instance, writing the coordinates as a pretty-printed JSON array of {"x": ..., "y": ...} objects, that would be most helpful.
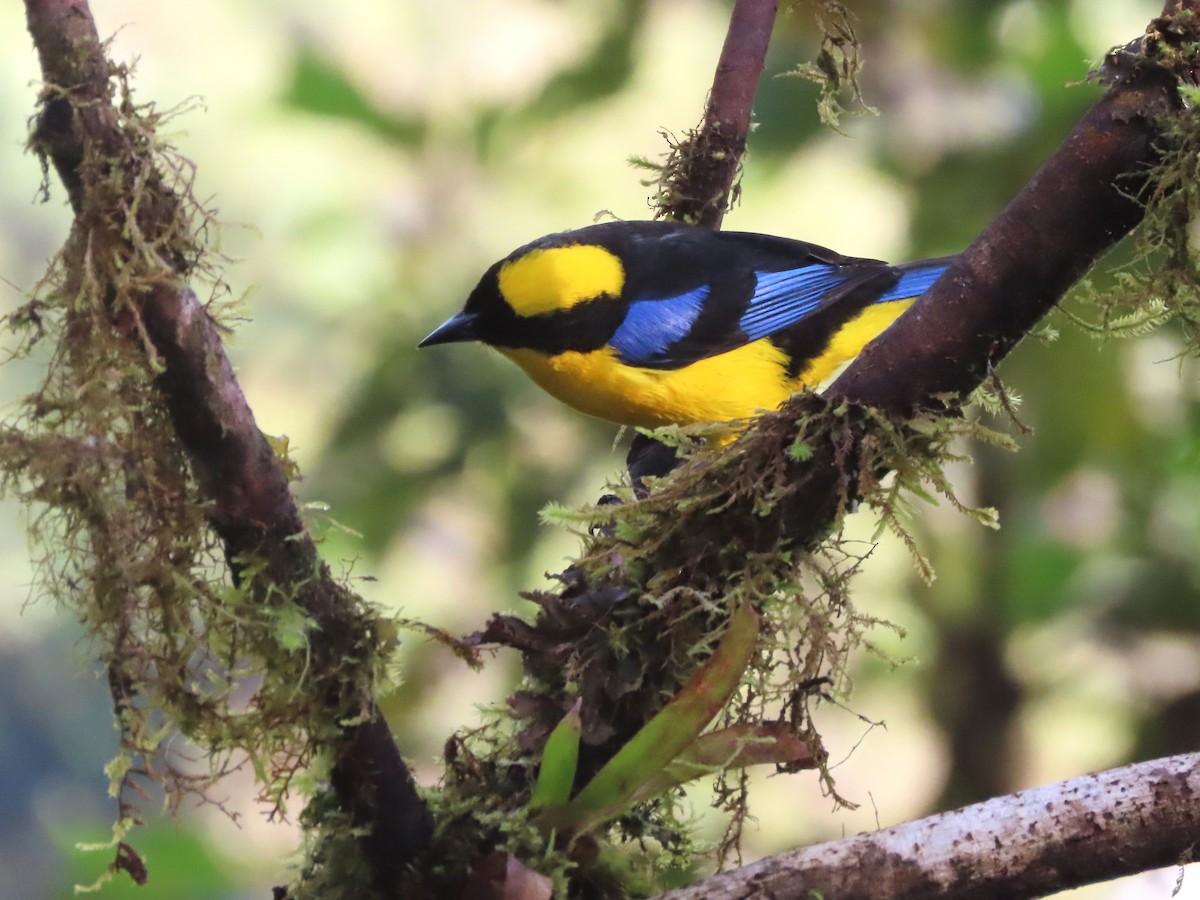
[{"x": 457, "y": 328}]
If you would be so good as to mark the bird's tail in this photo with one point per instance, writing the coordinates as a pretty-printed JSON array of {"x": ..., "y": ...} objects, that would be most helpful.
[{"x": 915, "y": 278}]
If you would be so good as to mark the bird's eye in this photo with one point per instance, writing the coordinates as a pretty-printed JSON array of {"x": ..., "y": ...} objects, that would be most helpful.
[{"x": 555, "y": 278}]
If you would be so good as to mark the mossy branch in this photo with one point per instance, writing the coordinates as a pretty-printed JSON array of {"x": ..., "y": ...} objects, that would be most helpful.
[
  {"x": 141, "y": 448},
  {"x": 141, "y": 426},
  {"x": 698, "y": 182}
]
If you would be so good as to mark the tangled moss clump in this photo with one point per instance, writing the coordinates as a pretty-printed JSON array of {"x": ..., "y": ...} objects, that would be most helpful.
[
  {"x": 701, "y": 156},
  {"x": 651, "y": 595},
  {"x": 837, "y": 66}
]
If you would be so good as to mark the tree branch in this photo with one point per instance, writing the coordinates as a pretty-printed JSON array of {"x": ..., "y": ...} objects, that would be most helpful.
[
  {"x": 1028, "y": 844},
  {"x": 252, "y": 509},
  {"x": 709, "y": 161},
  {"x": 698, "y": 182},
  {"x": 1085, "y": 198},
  {"x": 1081, "y": 202}
]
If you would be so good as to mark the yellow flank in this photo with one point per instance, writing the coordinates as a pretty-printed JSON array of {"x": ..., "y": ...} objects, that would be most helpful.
[
  {"x": 849, "y": 340},
  {"x": 734, "y": 385},
  {"x": 554, "y": 278}
]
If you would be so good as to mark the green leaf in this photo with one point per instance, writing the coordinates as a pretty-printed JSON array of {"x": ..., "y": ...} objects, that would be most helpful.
[
  {"x": 662, "y": 739},
  {"x": 559, "y": 759},
  {"x": 319, "y": 87}
]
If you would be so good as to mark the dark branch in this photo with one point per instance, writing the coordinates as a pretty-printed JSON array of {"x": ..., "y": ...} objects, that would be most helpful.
[
  {"x": 253, "y": 511},
  {"x": 1082, "y": 201},
  {"x": 256, "y": 517},
  {"x": 712, "y": 158}
]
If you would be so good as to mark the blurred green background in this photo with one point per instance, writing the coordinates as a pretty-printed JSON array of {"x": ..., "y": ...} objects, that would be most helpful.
[{"x": 368, "y": 165}]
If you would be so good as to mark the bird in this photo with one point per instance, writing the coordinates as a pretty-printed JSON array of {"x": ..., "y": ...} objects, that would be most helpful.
[{"x": 653, "y": 323}]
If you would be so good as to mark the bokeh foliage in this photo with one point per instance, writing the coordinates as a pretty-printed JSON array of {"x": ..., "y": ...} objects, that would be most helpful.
[{"x": 1064, "y": 641}]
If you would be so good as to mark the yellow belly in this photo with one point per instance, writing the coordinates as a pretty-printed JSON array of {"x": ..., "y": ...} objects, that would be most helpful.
[
  {"x": 734, "y": 385},
  {"x": 738, "y": 384}
]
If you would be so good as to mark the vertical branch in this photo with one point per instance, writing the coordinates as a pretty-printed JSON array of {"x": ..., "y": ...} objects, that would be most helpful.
[
  {"x": 700, "y": 180},
  {"x": 698, "y": 183}
]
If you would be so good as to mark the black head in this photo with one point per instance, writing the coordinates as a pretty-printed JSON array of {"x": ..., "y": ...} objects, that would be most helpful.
[
  {"x": 564, "y": 291},
  {"x": 478, "y": 319}
]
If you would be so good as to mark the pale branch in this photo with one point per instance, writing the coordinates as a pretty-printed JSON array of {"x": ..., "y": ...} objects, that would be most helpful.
[{"x": 1029, "y": 844}]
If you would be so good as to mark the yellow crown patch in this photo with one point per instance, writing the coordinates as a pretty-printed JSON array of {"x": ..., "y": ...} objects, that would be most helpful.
[{"x": 555, "y": 278}]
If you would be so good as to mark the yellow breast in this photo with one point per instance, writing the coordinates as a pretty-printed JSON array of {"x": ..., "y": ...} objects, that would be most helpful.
[
  {"x": 734, "y": 385},
  {"x": 738, "y": 384}
]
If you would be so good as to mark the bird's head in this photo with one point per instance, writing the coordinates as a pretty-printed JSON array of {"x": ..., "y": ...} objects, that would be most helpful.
[{"x": 529, "y": 296}]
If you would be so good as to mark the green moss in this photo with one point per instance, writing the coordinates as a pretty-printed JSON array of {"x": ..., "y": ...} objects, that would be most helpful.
[
  {"x": 1162, "y": 285},
  {"x": 836, "y": 69},
  {"x": 655, "y": 584}
]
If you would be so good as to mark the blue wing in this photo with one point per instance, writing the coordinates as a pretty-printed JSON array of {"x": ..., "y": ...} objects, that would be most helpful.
[
  {"x": 654, "y": 326},
  {"x": 651, "y": 326},
  {"x": 915, "y": 279},
  {"x": 784, "y": 298},
  {"x": 661, "y": 332}
]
